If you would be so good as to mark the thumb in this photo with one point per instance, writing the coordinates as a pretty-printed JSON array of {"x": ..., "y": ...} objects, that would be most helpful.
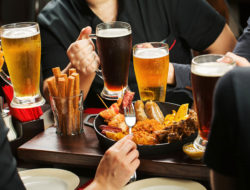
[{"x": 84, "y": 34}]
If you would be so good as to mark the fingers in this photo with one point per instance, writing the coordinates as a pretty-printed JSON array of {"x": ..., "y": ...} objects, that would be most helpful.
[
  {"x": 240, "y": 61},
  {"x": 127, "y": 147},
  {"x": 119, "y": 143},
  {"x": 132, "y": 155},
  {"x": 82, "y": 53},
  {"x": 135, "y": 164},
  {"x": 84, "y": 34}
]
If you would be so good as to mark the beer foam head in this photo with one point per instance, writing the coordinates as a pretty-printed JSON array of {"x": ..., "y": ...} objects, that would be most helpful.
[
  {"x": 113, "y": 32},
  {"x": 15, "y": 33},
  {"x": 211, "y": 69},
  {"x": 150, "y": 53}
]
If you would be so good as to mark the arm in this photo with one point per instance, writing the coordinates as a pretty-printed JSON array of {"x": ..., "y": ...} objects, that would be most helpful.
[
  {"x": 224, "y": 43},
  {"x": 117, "y": 165},
  {"x": 204, "y": 31}
]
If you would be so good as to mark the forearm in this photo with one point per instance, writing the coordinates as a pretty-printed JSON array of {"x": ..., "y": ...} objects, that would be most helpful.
[
  {"x": 182, "y": 75},
  {"x": 225, "y": 42}
]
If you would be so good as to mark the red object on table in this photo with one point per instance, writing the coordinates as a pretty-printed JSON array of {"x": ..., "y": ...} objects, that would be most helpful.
[
  {"x": 22, "y": 115},
  {"x": 93, "y": 110},
  {"x": 85, "y": 185}
]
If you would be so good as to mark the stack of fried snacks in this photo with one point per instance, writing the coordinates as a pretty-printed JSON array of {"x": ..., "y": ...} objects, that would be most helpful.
[{"x": 65, "y": 93}]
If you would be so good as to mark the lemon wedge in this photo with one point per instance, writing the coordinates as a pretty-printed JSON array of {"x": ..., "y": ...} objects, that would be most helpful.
[{"x": 192, "y": 152}]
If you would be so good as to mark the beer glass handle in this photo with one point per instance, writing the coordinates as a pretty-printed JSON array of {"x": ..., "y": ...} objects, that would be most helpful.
[
  {"x": 5, "y": 77},
  {"x": 98, "y": 71},
  {"x": 92, "y": 36}
]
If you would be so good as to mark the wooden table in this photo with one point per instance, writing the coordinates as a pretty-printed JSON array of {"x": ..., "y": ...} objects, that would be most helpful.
[{"x": 84, "y": 150}]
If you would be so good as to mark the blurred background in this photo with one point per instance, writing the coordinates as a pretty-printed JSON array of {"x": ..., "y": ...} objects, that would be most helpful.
[{"x": 235, "y": 11}]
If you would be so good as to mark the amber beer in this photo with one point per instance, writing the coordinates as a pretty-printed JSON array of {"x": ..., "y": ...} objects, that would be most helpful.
[
  {"x": 151, "y": 70},
  {"x": 204, "y": 78},
  {"x": 22, "y": 52},
  {"x": 114, "y": 49}
]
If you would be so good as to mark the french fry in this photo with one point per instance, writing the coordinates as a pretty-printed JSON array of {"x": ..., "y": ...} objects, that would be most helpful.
[
  {"x": 76, "y": 100},
  {"x": 71, "y": 81},
  {"x": 64, "y": 88},
  {"x": 71, "y": 71},
  {"x": 66, "y": 81},
  {"x": 62, "y": 112},
  {"x": 52, "y": 87}
]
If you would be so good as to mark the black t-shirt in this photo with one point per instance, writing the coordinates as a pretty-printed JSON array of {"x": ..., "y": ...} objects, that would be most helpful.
[
  {"x": 9, "y": 178},
  {"x": 228, "y": 148},
  {"x": 183, "y": 24},
  {"x": 242, "y": 47}
]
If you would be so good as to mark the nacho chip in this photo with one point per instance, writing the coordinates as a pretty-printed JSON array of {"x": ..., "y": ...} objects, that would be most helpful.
[{"x": 182, "y": 113}]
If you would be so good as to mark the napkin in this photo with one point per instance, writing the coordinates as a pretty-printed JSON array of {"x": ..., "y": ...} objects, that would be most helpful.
[{"x": 22, "y": 115}]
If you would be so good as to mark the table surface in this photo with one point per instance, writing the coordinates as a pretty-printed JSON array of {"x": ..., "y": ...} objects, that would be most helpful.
[{"x": 84, "y": 150}]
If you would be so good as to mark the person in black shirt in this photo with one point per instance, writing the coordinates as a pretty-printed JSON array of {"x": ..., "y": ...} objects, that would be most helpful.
[
  {"x": 9, "y": 178},
  {"x": 228, "y": 149},
  {"x": 184, "y": 25}
]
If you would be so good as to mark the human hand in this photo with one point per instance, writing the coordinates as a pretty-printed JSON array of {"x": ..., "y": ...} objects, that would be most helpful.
[
  {"x": 82, "y": 53},
  {"x": 118, "y": 164},
  {"x": 240, "y": 61}
]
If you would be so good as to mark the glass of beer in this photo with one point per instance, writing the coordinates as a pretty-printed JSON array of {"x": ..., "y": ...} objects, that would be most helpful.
[
  {"x": 114, "y": 45},
  {"x": 205, "y": 71},
  {"x": 21, "y": 45},
  {"x": 151, "y": 62}
]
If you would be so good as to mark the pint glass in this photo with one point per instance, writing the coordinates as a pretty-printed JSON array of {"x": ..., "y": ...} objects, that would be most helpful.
[
  {"x": 114, "y": 45},
  {"x": 151, "y": 62},
  {"x": 205, "y": 71},
  {"x": 21, "y": 45}
]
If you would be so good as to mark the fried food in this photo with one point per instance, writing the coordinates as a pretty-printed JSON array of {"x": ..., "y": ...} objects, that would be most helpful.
[
  {"x": 110, "y": 112},
  {"x": 144, "y": 132},
  {"x": 151, "y": 127},
  {"x": 176, "y": 130},
  {"x": 139, "y": 111},
  {"x": 153, "y": 111},
  {"x": 182, "y": 113}
]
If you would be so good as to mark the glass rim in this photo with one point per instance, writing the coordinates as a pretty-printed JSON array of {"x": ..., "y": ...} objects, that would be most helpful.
[
  {"x": 194, "y": 62},
  {"x": 19, "y": 25},
  {"x": 165, "y": 45},
  {"x": 127, "y": 25}
]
